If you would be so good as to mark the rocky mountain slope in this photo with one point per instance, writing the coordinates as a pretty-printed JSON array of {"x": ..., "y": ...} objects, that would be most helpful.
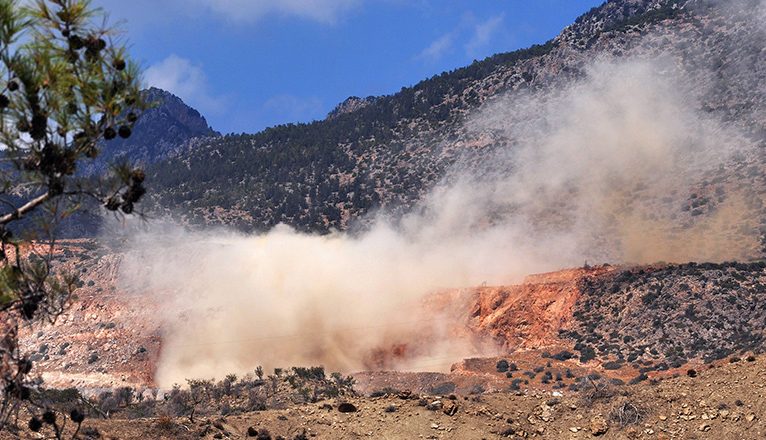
[
  {"x": 167, "y": 128},
  {"x": 391, "y": 150}
]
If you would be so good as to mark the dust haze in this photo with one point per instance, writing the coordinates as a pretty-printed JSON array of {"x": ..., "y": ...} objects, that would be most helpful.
[{"x": 595, "y": 171}]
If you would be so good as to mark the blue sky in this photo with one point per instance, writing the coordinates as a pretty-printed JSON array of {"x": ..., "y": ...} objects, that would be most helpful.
[{"x": 250, "y": 64}]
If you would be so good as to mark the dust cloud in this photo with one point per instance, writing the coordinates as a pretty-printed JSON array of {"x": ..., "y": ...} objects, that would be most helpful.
[
  {"x": 608, "y": 164},
  {"x": 597, "y": 170}
]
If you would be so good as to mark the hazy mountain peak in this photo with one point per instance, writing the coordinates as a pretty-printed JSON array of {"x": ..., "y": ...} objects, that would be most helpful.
[
  {"x": 171, "y": 108},
  {"x": 161, "y": 131}
]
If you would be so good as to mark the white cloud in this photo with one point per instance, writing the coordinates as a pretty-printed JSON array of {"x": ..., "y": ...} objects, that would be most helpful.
[
  {"x": 473, "y": 34},
  {"x": 186, "y": 80},
  {"x": 482, "y": 34},
  {"x": 437, "y": 48},
  {"x": 238, "y": 11},
  {"x": 323, "y": 11}
]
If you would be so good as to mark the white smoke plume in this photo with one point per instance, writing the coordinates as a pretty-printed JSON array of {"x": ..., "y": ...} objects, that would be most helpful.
[{"x": 595, "y": 171}]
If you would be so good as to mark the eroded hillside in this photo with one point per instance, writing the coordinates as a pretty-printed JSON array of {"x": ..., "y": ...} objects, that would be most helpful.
[{"x": 678, "y": 344}]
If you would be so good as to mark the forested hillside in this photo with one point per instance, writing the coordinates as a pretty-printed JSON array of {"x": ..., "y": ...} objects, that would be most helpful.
[{"x": 388, "y": 151}]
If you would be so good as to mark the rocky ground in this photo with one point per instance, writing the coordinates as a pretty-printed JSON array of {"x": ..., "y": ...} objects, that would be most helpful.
[{"x": 727, "y": 401}]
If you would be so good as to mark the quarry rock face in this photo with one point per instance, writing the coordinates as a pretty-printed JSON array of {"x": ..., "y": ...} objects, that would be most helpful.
[
  {"x": 106, "y": 339},
  {"x": 529, "y": 315},
  {"x": 629, "y": 323}
]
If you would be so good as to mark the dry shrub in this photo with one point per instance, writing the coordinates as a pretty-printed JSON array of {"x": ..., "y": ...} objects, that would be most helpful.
[
  {"x": 625, "y": 413},
  {"x": 166, "y": 423},
  {"x": 592, "y": 390}
]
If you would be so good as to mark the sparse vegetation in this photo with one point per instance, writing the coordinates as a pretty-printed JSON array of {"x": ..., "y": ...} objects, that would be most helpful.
[
  {"x": 661, "y": 308},
  {"x": 594, "y": 388},
  {"x": 230, "y": 395}
]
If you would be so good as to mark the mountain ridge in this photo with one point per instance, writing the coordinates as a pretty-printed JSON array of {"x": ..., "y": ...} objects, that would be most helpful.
[
  {"x": 387, "y": 152},
  {"x": 164, "y": 129}
]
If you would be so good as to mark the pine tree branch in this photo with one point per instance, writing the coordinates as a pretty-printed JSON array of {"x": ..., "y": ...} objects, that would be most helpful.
[{"x": 27, "y": 207}]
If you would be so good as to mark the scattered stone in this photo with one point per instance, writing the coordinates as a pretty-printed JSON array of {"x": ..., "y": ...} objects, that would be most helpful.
[
  {"x": 451, "y": 409},
  {"x": 598, "y": 425},
  {"x": 546, "y": 412},
  {"x": 346, "y": 407},
  {"x": 436, "y": 405},
  {"x": 508, "y": 432},
  {"x": 705, "y": 427},
  {"x": 574, "y": 429},
  {"x": 553, "y": 402},
  {"x": 750, "y": 417}
]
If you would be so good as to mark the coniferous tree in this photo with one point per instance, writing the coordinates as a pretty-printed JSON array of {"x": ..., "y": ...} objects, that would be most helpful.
[{"x": 66, "y": 86}]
